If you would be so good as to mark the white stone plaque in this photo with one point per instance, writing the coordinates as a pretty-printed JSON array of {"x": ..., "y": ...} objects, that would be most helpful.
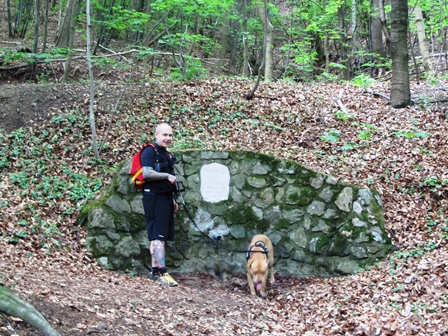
[{"x": 215, "y": 182}]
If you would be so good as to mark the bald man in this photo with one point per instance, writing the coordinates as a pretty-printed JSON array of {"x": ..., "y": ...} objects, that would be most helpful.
[{"x": 158, "y": 200}]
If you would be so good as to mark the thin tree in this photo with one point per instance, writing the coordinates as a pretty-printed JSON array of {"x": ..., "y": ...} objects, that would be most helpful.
[
  {"x": 8, "y": 9},
  {"x": 400, "y": 92},
  {"x": 251, "y": 95},
  {"x": 376, "y": 27},
  {"x": 225, "y": 37},
  {"x": 47, "y": 8},
  {"x": 66, "y": 35},
  {"x": 375, "y": 35},
  {"x": 426, "y": 58},
  {"x": 268, "y": 47},
  {"x": 245, "y": 72},
  {"x": 36, "y": 40},
  {"x": 92, "y": 88}
]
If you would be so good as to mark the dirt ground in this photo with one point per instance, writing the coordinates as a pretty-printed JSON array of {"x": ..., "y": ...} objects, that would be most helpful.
[
  {"x": 201, "y": 305},
  {"x": 23, "y": 102}
]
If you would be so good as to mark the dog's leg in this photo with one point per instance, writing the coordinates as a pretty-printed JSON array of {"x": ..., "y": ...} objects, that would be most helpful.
[
  {"x": 251, "y": 283},
  {"x": 272, "y": 279},
  {"x": 271, "y": 266},
  {"x": 263, "y": 287}
]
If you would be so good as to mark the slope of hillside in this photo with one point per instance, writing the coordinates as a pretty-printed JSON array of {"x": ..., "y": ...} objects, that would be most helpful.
[{"x": 47, "y": 174}]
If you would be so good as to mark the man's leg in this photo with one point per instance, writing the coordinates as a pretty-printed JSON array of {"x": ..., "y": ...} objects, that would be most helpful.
[
  {"x": 157, "y": 250},
  {"x": 160, "y": 275}
]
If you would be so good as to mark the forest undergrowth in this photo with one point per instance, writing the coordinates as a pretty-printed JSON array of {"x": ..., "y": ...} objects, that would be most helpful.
[{"x": 48, "y": 173}]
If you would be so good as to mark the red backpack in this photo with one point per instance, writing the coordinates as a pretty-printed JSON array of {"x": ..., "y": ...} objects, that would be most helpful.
[{"x": 136, "y": 170}]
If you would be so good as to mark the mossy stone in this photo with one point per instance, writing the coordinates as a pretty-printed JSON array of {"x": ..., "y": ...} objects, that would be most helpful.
[
  {"x": 98, "y": 245},
  {"x": 282, "y": 224},
  {"x": 338, "y": 246},
  {"x": 300, "y": 195}
]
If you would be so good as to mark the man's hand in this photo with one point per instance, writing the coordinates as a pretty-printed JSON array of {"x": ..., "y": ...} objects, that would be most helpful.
[
  {"x": 176, "y": 206},
  {"x": 172, "y": 179}
]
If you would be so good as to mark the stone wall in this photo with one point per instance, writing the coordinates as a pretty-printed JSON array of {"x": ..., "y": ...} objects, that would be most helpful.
[{"x": 319, "y": 227}]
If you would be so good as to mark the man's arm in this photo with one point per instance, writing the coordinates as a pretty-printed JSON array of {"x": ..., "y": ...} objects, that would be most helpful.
[
  {"x": 151, "y": 175},
  {"x": 148, "y": 159}
]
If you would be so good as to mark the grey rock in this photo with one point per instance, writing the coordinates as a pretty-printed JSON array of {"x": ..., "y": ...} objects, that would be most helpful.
[
  {"x": 100, "y": 219},
  {"x": 317, "y": 182},
  {"x": 359, "y": 252},
  {"x": 316, "y": 208},
  {"x": 326, "y": 194},
  {"x": 137, "y": 205},
  {"x": 127, "y": 247},
  {"x": 261, "y": 169},
  {"x": 345, "y": 199},
  {"x": 208, "y": 155},
  {"x": 118, "y": 204}
]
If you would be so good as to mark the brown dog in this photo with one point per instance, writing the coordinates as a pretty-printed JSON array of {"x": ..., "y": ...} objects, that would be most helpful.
[{"x": 260, "y": 258}]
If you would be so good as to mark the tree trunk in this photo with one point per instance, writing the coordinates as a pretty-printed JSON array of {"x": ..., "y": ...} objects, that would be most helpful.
[
  {"x": 14, "y": 306},
  {"x": 8, "y": 9},
  {"x": 67, "y": 29},
  {"x": 382, "y": 16},
  {"x": 426, "y": 59},
  {"x": 344, "y": 61},
  {"x": 400, "y": 92},
  {"x": 324, "y": 43},
  {"x": 355, "y": 44},
  {"x": 70, "y": 34},
  {"x": 225, "y": 36},
  {"x": 36, "y": 39},
  {"x": 245, "y": 42},
  {"x": 269, "y": 42},
  {"x": 251, "y": 95},
  {"x": 92, "y": 91},
  {"x": 28, "y": 9},
  {"x": 44, "y": 43},
  {"x": 376, "y": 29},
  {"x": 18, "y": 18}
]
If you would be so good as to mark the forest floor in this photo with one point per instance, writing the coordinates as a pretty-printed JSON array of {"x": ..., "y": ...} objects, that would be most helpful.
[{"x": 405, "y": 294}]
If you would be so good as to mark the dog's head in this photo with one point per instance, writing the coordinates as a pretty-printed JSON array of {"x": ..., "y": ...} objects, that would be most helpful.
[{"x": 259, "y": 270}]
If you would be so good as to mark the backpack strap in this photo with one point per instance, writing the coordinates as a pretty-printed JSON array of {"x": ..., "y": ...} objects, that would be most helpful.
[{"x": 157, "y": 154}]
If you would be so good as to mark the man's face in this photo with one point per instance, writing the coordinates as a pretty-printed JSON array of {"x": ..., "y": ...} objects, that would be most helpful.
[{"x": 164, "y": 136}]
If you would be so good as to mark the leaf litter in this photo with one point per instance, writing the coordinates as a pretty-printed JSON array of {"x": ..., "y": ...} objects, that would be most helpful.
[{"x": 401, "y": 153}]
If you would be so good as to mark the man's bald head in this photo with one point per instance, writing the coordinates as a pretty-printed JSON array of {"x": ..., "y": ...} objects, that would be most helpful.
[{"x": 164, "y": 135}]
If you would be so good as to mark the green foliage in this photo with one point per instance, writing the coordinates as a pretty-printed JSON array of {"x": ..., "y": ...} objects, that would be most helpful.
[
  {"x": 331, "y": 135},
  {"x": 366, "y": 134},
  {"x": 364, "y": 81},
  {"x": 191, "y": 69},
  {"x": 434, "y": 22},
  {"x": 342, "y": 115},
  {"x": 433, "y": 183},
  {"x": 195, "y": 143},
  {"x": 347, "y": 147},
  {"x": 20, "y": 178},
  {"x": 410, "y": 134},
  {"x": 103, "y": 63},
  {"x": 326, "y": 76},
  {"x": 416, "y": 252},
  {"x": 374, "y": 60},
  {"x": 11, "y": 55},
  {"x": 44, "y": 184}
]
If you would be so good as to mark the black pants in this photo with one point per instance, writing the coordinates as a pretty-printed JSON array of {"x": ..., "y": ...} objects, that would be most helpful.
[{"x": 159, "y": 216}]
